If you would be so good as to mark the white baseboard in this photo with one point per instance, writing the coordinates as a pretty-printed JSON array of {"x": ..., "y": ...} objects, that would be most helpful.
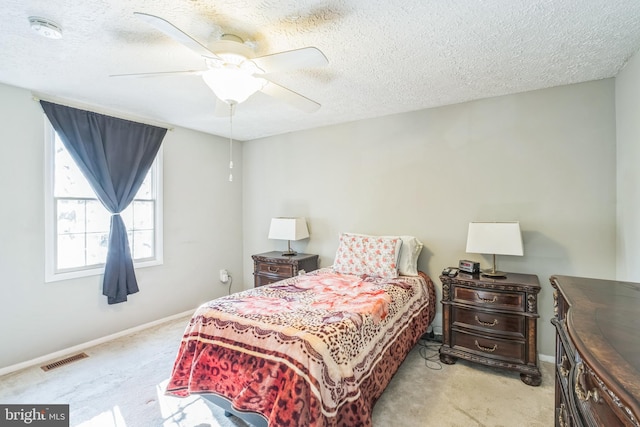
[
  {"x": 76, "y": 348},
  {"x": 547, "y": 358}
]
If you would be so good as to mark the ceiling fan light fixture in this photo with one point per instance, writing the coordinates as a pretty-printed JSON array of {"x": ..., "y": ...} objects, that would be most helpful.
[
  {"x": 230, "y": 44},
  {"x": 232, "y": 58},
  {"x": 232, "y": 84}
]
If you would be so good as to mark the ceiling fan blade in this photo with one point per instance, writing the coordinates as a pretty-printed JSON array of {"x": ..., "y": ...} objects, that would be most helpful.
[
  {"x": 306, "y": 57},
  {"x": 177, "y": 34},
  {"x": 293, "y": 98},
  {"x": 161, "y": 74}
]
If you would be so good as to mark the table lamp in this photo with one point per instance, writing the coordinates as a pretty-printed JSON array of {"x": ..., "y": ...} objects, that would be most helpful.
[
  {"x": 288, "y": 229},
  {"x": 496, "y": 238}
]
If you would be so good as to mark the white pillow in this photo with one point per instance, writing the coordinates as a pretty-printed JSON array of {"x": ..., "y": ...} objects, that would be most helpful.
[{"x": 409, "y": 253}]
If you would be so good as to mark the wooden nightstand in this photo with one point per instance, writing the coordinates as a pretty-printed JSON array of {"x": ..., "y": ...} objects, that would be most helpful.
[
  {"x": 270, "y": 267},
  {"x": 492, "y": 321}
]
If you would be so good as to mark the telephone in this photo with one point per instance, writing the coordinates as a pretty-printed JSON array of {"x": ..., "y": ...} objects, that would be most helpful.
[{"x": 450, "y": 271}]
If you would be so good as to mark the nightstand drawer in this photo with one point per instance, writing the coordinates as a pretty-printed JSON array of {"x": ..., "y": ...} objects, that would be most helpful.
[
  {"x": 271, "y": 267},
  {"x": 262, "y": 280},
  {"x": 510, "y": 325},
  {"x": 491, "y": 299},
  {"x": 283, "y": 270},
  {"x": 503, "y": 349}
]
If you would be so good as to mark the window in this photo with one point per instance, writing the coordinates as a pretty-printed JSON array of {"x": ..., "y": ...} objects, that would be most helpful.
[{"x": 77, "y": 225}]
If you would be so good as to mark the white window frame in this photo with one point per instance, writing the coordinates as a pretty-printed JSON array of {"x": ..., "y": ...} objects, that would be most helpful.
[{"x": 51, "y": 275}]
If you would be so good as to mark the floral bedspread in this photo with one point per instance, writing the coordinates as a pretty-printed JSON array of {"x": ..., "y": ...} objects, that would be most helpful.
[{"x": 298, "y": 351}]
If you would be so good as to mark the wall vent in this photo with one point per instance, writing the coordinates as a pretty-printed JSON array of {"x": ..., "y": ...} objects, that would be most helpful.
[{"x": 64, "y": 361}]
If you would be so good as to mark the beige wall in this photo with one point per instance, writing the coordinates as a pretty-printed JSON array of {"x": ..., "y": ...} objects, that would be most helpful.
[
  {"x": 202, "y": 234},
  {"x": 545, "y": 158},
  {"x": 628, "y": 172}
]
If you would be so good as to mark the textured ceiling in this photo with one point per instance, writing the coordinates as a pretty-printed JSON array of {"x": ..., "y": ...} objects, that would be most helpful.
[{"x": 385, "y": 56}]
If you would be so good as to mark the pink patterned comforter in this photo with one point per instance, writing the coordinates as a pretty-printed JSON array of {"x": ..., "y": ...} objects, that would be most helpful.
[{"x": 306, "y": 351}]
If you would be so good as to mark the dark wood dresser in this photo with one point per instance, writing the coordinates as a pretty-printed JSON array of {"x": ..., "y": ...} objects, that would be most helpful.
[
  {"x": 492, "y": 321},
  {"x": 597, "y": 352},
  {"x": 270, "y": 267}
]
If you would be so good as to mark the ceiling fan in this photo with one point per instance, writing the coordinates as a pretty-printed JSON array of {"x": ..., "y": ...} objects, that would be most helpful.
[{"x": 234, "y": 73}]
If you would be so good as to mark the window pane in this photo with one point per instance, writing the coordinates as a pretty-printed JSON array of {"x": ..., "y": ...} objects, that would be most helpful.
[
  {"x": 69, "y": 181},
  {"x": 146, "y": 189},
  {"x": 70, "y": 216},
  {"x": 98, "y": 218},
  {"x": 127, "y": 216},
  {"x": 97, "y": 248},
  {"x": 143, "y": 215},
  {"x": 70, "y": 251},
  {"x": 142, "y": 245}
]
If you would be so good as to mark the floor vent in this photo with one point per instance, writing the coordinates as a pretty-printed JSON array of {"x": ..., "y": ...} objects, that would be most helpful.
[{"x": 64, "y": 361}]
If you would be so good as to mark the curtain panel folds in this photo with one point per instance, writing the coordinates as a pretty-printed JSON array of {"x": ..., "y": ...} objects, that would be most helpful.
[{"x": 114, "y": 155}]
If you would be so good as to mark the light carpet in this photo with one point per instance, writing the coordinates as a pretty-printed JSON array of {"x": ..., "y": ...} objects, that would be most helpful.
[{"x": 122, "y": 384}]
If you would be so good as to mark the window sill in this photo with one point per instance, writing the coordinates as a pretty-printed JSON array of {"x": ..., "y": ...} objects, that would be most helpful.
[{"x": 57, "y": 277}]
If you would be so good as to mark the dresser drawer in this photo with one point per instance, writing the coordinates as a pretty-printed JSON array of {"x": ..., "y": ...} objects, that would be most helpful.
[
  {"x": 508, "y": 350},
  {"x": 565, "y": 358},
  {"x": 508, "y": 325},
  {"x": 594, "y": 400},
  {"x": 513, "y": 301},
  {"x": 282, "y": 270}
]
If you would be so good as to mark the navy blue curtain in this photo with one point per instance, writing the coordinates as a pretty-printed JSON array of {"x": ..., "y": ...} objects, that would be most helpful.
[{"x": 115, "y": 156}]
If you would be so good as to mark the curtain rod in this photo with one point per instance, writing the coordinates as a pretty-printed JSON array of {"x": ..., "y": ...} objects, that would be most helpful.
[{"x": 96, "y": 109}]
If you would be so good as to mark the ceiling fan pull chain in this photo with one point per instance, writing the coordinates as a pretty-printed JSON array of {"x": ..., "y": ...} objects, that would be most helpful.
[{"x": 231, "y": 104}]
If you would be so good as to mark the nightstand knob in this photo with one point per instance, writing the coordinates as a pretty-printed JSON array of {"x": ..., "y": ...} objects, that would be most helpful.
[{"x": 273, "y": 269}]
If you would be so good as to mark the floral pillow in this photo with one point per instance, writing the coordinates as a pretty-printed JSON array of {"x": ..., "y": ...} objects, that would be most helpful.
[{"x": 371, "y": 255}]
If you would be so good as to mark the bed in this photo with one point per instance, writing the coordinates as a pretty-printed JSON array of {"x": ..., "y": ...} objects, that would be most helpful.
[{"x": 313, "y": 350}]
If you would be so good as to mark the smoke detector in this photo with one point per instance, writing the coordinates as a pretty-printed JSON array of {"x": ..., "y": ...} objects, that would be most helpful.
[{"x": 45, "y": 27}]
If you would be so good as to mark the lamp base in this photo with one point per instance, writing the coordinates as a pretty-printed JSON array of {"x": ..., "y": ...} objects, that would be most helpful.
[
  {"x": 289, "y": 251},
  {"x": 494, "y": 273}
]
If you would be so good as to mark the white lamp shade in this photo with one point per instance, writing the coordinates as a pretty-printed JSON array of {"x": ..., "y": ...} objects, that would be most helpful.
[
  {"x": 498, "y": 238},
  {"x": 288, "y": 229}
]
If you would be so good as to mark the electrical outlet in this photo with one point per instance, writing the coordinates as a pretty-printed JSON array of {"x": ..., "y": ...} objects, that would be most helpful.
[{"x": 224, "y": 276}]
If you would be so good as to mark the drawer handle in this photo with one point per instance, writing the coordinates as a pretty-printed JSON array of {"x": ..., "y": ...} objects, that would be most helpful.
[
  {"x": 494, "y": 323},
  {"x": 273, "y": 269},
  {"x": 561, "y": 412},
  {"x": 492, "y": 300},
  {"x": 563, "y": 371},
  {"x": 490, "y": 350},
  {"x": 582, "y": 395}
]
